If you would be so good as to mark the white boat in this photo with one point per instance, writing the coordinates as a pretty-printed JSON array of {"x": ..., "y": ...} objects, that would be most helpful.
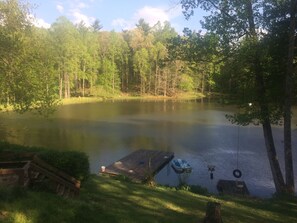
[{"x": 181, "y": 166}]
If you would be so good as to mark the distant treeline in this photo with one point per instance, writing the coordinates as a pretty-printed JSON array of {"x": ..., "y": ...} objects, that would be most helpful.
[{"x": 76, "y": 60}]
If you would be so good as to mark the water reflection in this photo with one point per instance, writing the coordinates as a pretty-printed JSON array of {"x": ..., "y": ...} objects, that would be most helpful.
[{"x": 197, "y": 132}]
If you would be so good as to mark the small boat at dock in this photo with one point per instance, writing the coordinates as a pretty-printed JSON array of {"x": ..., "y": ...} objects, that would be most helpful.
[{"x": 181, "y": 166}]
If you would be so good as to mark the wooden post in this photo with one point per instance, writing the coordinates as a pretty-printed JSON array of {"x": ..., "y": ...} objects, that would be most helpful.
[{"x": 213, "y": 213}]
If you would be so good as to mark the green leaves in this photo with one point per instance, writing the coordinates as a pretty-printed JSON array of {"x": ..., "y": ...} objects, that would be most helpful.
[{"x": 25, "y": 73}]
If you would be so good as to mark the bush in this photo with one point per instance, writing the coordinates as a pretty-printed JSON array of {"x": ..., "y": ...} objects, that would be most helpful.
[
  {"x": 5, "y": 146},
  {"x": 196, "y": 189},
  {"x": 73, "y": 163}
]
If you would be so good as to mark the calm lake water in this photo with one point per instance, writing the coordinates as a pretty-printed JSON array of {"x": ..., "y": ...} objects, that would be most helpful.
[{"x": 195, "y": 131}]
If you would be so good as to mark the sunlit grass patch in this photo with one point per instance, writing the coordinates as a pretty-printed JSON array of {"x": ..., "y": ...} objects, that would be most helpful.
[
  {"x": 19, "y": 217},
  {"x": 80, "y": 100}
]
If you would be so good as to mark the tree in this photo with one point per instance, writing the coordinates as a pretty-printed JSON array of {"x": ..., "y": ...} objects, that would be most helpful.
[
  {"x": 109, "y": 78},
  {"x": 140, "y": 41},
  {"x": 23, "y": 76},
  {"x": 163, "y": 33},
  {"x": 288, "y": 100},
  {"x": 96, "y": 26},
  {"x": 142, "y": 67},
  {"x": 239, "y": 24},
  {"x": 158, "y": 53},
  {"x": 144, "y": 26},
  {"x": 113, "y": 48},
  {"x": 40, "y": 63},
  {"x": 200, "y": 53},
  {"x": 88, "y": 58},
  {"x": 159, "y": 57},
  {"x": 65, "y": 39}
]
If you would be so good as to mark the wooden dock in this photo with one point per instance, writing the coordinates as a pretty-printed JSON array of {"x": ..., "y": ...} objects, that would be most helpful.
[
  {"x": 232, "y": 187},
  {"x": 140, "y": 165}
]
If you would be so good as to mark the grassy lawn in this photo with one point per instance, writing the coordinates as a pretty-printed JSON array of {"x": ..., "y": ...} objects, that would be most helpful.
[{"x": 104, "y": 199}]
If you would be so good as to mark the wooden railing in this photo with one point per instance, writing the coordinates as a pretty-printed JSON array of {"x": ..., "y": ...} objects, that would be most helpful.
[{"x": 64, "y": 184}]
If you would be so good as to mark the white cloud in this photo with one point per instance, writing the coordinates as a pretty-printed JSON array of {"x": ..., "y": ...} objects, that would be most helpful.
[
  {"x": 122, "y": 23},
  {"x": 40, "y": 23},
  {"x": 82, "y": 5},
  {"x": 60, "y": 8},
  {"x": 78, "y": 17},
  {"x": 152, "y": 15},
  {"x": 74, "y": 10},
  {"x": 175, "y": 11}
]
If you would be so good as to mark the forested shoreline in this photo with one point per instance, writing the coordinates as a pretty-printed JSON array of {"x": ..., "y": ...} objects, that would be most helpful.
[
  {"x": 70, "y": 60},
  {"x": 39, "y": 66}
]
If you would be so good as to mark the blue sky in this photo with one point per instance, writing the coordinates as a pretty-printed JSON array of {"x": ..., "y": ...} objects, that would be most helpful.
[{"x": 114, "y": 14}]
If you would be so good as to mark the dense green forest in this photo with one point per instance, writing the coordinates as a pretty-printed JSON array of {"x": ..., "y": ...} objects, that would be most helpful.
[
  {"x": 41, "y": 65},
  {"x": 69, "y": 60}
]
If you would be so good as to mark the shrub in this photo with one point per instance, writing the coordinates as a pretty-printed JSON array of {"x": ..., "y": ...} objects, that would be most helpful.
[
  {"x": 73, "y": 163},
  {"x": 196, "y": 189}
]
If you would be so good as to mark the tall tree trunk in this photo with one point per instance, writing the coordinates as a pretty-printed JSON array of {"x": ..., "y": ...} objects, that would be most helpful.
[
  {"x": 68, "y": 86},
  {"x": 123, "y": 75},
  {"x": 261, "y": 93},
  {"x": 165, "y": 82},
  {"x": 113, "y": 74},
  {"x": 156, "y": 76},
  {"x": 288, "y": 103},
  {"x": 83, "y": 81},
  {"x": 127, "y": 77},
  {"x": 65, "y": 86},
  {"x": 203, "y": 81},
  {"x": 273, "y": 159},
  {"x": 174, "y": 79},
  {"x": 60, "y": 86},
  {"x": 76, "y": 83},
  {"x": 91, "y": 86},
  {"x": 83, "y": 87},
  {"x": 149, "y": 83},
  {"x": 268, "y": 136}
]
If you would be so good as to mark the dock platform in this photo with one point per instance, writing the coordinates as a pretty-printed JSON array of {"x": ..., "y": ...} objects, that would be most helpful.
[
  {"x": 232, "y": 187},
  {"x": 140, "y": 165}
]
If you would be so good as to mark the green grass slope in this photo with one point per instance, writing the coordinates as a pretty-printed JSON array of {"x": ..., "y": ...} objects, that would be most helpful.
[{"x": 105, "y": 199}]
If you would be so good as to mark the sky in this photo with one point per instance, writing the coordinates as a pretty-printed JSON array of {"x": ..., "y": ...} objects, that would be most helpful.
[{"x": 114, "y": 14}]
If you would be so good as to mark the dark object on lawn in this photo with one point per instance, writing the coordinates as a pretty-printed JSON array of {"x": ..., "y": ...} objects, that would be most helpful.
[
  {"x": 213, "y": 213},
  {"x": 14, "y": 173},
  {"x": 232, "y": 187}
]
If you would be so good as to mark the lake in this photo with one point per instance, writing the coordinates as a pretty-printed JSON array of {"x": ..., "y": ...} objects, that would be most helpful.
[{"x": 195, "y": 131}]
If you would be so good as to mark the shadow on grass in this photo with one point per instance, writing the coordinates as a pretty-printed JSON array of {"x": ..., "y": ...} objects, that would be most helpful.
[
  {"x": 101, "y": 200},
  {"x": 259, "y": 210},
  {"x": 128, "y": 202}
]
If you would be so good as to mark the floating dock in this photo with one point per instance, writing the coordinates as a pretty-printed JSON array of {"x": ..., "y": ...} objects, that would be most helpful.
[
  {"x": 140, "y": 165},
  {"x": 232, "y": 187}
]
